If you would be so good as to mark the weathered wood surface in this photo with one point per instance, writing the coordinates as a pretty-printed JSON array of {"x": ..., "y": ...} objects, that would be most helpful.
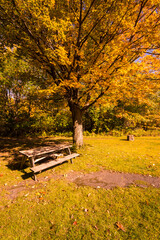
[
  {"x": 37, "y": 154},
  {"x": 52, "y": 163},
  {"x": 44, "y": 150}
]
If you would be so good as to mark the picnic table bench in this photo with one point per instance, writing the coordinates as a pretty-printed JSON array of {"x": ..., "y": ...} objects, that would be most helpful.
[{"x": 36, "y": 155}]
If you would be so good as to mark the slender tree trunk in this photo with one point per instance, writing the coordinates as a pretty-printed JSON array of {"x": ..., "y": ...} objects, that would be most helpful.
[{"x": 77, "y": 125}]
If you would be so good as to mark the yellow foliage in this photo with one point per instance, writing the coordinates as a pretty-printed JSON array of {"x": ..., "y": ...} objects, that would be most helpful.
[{"x": 89, "y": 47}]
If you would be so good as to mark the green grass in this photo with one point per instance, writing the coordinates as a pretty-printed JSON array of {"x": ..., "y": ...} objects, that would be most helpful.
[
  {"x": 63, "y": 211},
  {"x": 59, "y": 210},
  {"x": 115, "y": 153}
]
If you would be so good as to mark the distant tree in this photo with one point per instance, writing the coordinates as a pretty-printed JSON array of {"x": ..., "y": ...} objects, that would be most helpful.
[
  {"x": 18, "y": 88},
  {"x": 85, "y": 46}
]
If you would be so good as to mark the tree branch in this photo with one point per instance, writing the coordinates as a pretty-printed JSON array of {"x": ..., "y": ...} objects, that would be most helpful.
[
  {"x": 96, "y": 99},
  {"x": 80, "y": 23},
  {"x": 88, "y": 10},
  {"x": 88, "y": 34},
  {"x": 141, "y": 8}
]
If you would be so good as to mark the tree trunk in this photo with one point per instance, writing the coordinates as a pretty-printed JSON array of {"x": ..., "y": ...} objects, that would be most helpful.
[{"x": 77, "y": 125}]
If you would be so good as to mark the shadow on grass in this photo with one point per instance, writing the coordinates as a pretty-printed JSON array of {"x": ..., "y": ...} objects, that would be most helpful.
[
  {"x": 26, "y": 175},
  {"x": 12, "y": 146}
]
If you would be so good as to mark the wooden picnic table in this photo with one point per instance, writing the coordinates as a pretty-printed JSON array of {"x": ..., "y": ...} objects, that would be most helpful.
[{"x": 36, "y": 155}]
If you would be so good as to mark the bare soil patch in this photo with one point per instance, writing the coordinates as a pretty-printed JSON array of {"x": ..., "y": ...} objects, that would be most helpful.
[
  {"x": 108, "y": 180},
  {"x": 102, "y": 179}
]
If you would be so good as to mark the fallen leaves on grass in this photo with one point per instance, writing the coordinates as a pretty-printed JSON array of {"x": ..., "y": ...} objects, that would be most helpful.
[
  {"x": 96, "y": 227},
  {"x": 120, "y": 226},
  {"x": 41, "y": 195}
]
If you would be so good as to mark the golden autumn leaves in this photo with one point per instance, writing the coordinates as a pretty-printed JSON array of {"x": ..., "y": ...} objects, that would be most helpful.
[{"x": 89, "y": 48}]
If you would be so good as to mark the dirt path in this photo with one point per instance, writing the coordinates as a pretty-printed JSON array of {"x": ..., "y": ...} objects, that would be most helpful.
[
  {"x": 102, "y": 179},
  {"x": 108, "y": 180}
]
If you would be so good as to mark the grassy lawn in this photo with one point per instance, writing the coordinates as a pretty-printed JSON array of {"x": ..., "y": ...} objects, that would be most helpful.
[{"x": 57, "y": 209}]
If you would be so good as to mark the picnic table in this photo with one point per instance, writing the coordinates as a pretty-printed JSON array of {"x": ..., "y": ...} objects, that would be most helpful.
[{"x": 36, "y": 155}]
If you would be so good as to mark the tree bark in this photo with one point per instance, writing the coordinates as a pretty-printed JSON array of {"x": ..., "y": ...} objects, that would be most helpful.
[{"x": 77, "y": 125}]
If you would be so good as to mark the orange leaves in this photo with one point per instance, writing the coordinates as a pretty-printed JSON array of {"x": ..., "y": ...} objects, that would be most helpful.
[
  {"x": 120, "y": 226},
  {"x": 88, "y": 48},
  {"x": 75, "y": 223}
]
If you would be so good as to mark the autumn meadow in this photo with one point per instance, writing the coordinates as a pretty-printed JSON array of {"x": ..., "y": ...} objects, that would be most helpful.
[{"x": 83, "y": 77}]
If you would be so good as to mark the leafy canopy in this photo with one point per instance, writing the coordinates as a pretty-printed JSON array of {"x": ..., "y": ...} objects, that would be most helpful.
[{"x": 86, "y": 46}]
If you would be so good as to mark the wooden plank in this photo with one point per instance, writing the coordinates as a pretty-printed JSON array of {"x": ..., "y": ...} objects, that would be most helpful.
[
  {"x": 39, "y": 159},
  {"x": 45, "y": 156},
  {"x": 53, "y": 163},
  {"x": 44, "y": 150}
]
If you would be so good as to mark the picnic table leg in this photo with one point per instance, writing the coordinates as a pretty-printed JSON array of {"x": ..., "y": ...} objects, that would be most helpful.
[
  {"x": 33, "y": 164},
  {"x": 22, "y": 162},
  {"x": 32, "y": 161},
  {"x": 34, "y": 177},
  {"x": 69, "y": 154}
]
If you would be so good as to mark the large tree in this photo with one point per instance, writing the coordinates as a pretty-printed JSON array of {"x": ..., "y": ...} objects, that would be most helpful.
[{"x": 85, "y": 46}]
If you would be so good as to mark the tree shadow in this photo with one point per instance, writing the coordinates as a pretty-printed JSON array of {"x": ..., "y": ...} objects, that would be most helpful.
[
  {"x": 25, "y": 175},
  {"x": 12, "y": 146}
]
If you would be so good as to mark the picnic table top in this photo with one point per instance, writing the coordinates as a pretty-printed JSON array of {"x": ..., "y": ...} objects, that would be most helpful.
[{"x": 44, "y": 150}]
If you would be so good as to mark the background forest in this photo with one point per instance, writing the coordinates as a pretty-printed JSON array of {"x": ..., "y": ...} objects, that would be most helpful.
[
  {"x": 79, "y": 66},
  {"x": 29, "y": 107}
]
